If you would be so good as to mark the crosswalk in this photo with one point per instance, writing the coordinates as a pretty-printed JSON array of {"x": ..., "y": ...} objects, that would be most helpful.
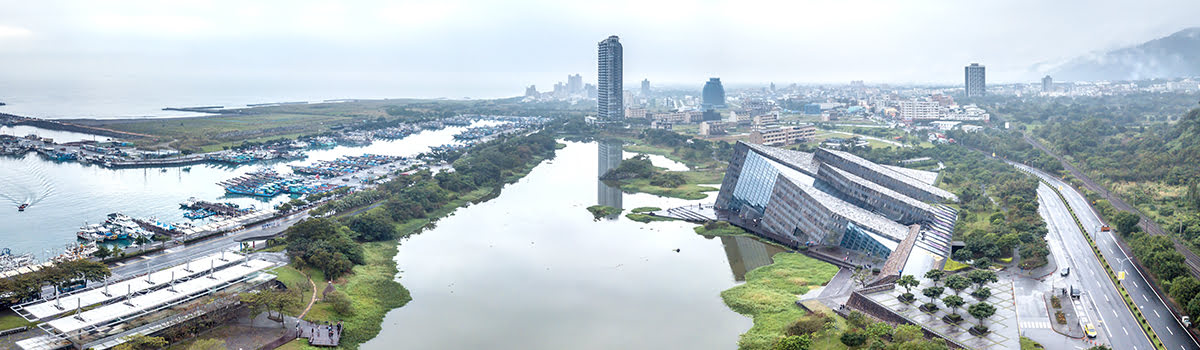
[{"x": 1034, "y": 324}]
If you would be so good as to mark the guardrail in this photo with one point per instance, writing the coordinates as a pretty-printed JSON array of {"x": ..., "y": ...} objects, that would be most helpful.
[{"x": 1112, "y": 276}]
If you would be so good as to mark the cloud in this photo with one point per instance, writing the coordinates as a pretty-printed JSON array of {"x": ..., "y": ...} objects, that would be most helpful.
[{"x": 14, "y": 32}]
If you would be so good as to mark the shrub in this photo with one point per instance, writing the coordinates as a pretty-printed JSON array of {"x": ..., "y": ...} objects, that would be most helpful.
[
  {"x": 853, "y": 338},
  {"x": 808, "y": 324},
  {"x": 1060, "y": 317},
  {"x": 1056, "y": 302},
  {"x": 341, "y": 303}
]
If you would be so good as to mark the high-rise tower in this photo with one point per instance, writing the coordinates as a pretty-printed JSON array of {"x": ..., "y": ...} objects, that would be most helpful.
[
  {"x": 609, "y": 101},
  {"x": 976, "y": 82}
]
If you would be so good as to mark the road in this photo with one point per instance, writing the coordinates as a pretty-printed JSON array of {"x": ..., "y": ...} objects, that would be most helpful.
[
  {"x": 1148, "y": 225},
  {"x": 1164, "y": 322},
  {"x": 181, "y": 254}
]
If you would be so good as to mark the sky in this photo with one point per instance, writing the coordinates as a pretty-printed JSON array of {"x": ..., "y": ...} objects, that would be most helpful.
[{"x": 456, "y": 47}]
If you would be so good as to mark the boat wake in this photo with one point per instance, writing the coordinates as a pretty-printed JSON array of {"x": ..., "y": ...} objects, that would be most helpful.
[{"x": 25, "y": 184}]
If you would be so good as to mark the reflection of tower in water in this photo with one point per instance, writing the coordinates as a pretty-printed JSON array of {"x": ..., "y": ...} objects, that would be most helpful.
[
  {"x": 746, "y": 254},
  {"x": 608, "y": 157}
]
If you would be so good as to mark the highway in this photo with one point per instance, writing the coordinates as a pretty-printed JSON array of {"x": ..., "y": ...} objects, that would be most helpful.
[
  {"x": 181, "y": 254},
  {"x": 1100, "y": 303},
  {"x": 1165, "y": 323}
]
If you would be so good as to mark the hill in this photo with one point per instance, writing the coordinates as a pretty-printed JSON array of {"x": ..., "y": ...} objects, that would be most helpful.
[{"x": 1176, "y": 55}]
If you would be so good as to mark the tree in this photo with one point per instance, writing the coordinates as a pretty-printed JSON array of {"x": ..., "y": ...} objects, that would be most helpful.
[
  {"x": 982, "y": 293},
  {"x": 879, "y": 330},
  {"x": 963, "y": 254},
  {"x": 907, "y": 332},
  {"x": 1184, "y": 288},
  {"x": 981, "y": 277},
  {"x": 981, "y": 311},
  {"x": 141, "y": 342},
  {"x": 983, "y": 263},
  {"x": 102, "y": 252},
  {"x": 958, "y": 283},
  {"x": 1193, "y": 308},
  {"x": 935, "y": 276},
  {"x": 341, "y": 303},
  {"x": 373, "y": 226},
  {"x": 933, "y": 293},
  {"x": 861, "y": 276},
  {"x": 207, "y": 344},
  {"x": 1007, "y": 242},
  {"x": 793, "y": 342},
  {"x": 1100, "y": 347},
  {"x": 853, "y": 338},
  {"x": 953, "y": 302},
  {"x": 1126, "y": 222},
  {"x": 908, "y": 282}
]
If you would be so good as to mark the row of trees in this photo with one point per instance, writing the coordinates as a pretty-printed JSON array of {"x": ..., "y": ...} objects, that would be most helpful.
[
  {"x": 958, "y": 283},
  {"x": 861, "y": 331},
  {"x": 332, "y": 245},
  {"x": 22, "y": 287}
]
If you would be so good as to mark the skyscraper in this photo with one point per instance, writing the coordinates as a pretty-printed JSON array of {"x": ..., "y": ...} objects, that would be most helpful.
[
  {"x": 714, "y": 94},
  {"x": 609, "y": 103},
  {"x": 645, "y": 87},
  {"x": 1047, "y": 84},
  {"x": 976, "y": 83},
  {"x": 574, "y": 84}
]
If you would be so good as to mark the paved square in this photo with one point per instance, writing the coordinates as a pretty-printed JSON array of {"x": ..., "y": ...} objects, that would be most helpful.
[{"x": 1002, "y": 325}]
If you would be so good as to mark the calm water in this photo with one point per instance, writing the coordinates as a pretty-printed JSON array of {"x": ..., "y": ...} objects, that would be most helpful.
[
  {"x": 64, "y": 196},
  {"x": 530, "y": 269}
]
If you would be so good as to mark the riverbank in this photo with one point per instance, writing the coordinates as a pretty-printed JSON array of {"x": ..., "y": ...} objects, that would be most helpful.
[{"x": 769, "y": 296}]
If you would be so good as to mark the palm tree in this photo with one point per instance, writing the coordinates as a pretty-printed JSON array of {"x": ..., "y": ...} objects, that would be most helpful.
[
  {"x": 981, "y": 311},
  {"x": 958, "y": 283},
  {"x": 935, "y": 276}
]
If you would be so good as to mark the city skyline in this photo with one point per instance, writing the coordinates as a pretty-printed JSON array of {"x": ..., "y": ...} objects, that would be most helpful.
[{"x": 387, "y": 43}]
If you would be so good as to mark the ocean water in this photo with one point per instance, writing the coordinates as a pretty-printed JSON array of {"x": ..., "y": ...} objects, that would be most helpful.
[{"x": 106, "y": 97}]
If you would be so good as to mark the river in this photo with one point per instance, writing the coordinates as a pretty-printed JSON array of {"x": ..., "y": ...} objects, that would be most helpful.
[
  {"x": 65, "y": 195},
  {"x": 532, "y": 269}
]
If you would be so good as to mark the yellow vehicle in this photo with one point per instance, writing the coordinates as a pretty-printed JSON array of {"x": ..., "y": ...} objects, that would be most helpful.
[{"x": 1089, "y": 330}]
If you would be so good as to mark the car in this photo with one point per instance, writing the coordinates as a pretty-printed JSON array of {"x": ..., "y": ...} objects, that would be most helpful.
[
  {"x": 1066, "y": 271},
  {"x": 1075, "y": 292},
  {"x": 1089, "y": 330}
]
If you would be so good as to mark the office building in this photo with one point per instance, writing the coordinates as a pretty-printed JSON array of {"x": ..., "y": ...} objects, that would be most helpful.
[
  {"x": 913, "y": 110},
  {"x": 976, "y": 80},
  {"x": 609, "y": 100},
  {"x": 713, "y": 94},
  {"x": 1047, "y": 84},
  {"x": 635, "y": 113},
  {"x": 645, "y": 87},
  {"x": 712, "y": 128},
  {"x": 834, "y": 198},
  {"x": 531, "y": 91},
  {"x": 782, "y": 136}
]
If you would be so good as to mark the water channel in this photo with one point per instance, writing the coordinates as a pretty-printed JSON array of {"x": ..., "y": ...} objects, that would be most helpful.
[{"x": 532, "y": 269}]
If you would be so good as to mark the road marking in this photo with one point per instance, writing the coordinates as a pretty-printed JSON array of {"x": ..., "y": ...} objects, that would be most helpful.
[
  {"x": 1144, "y": 298},
  {"x": 1172, "y": 332},
  {"x": 1106, "y": 299},
  {"x": 1156, "y": 314},
  {"x": 1124, "y": 330}
]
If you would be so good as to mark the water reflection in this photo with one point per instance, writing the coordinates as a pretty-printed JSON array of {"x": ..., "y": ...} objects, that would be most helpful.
[
  {"x": 608, "y": 156},
  {"x": 746, "y": 254}
]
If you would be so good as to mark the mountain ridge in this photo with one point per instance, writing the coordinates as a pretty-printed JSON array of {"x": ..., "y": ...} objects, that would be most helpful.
[{"x": 1172, "y": 56}]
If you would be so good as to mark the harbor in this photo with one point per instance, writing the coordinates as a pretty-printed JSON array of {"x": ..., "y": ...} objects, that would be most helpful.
[{"x": 61, "y": 210}]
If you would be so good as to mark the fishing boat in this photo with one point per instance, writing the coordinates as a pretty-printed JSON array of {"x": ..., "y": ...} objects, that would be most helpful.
[
  {"x": 93, "y": 232},
  {"x": 187, "y": 168},
  {"x": 164, "y": 170},
  {"x": 23, "y": 206}
]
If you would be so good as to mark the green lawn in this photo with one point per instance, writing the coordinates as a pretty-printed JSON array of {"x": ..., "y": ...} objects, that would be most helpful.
[
  {"x": 645, "y": 209},
  {"x": 10, "y": 320},
  {"x": 720, "y": 228},
  {"x": 770, "y": 293},
  {"x": 1029, "y": 344}
]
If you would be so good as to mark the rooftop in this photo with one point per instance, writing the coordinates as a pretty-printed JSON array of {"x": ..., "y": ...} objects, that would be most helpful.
[
  {"x": 880, "y": 188},
  {"x": 859, "y": 216},
  {"x": 892, "y": 173}
]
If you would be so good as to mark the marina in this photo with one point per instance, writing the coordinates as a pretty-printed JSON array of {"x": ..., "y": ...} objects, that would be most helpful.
[{"x": 58, "y": 204}]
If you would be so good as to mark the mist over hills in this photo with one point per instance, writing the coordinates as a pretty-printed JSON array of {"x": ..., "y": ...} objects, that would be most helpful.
[{"x": 1176, "y": 55}]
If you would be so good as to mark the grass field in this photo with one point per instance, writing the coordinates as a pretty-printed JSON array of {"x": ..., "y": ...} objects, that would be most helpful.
[
  {"x": 215, "y": 132},
  {"x": 769, "y": 296},
  {"x": 10, "y": 320},
  {"x": 686, "y": 191}
]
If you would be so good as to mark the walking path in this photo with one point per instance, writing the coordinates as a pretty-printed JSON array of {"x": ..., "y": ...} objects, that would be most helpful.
[{"x": 310, "y": 301}]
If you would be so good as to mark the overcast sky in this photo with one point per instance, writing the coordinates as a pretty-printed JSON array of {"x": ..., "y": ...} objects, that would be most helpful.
[{"x": 520, "y": 42}]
